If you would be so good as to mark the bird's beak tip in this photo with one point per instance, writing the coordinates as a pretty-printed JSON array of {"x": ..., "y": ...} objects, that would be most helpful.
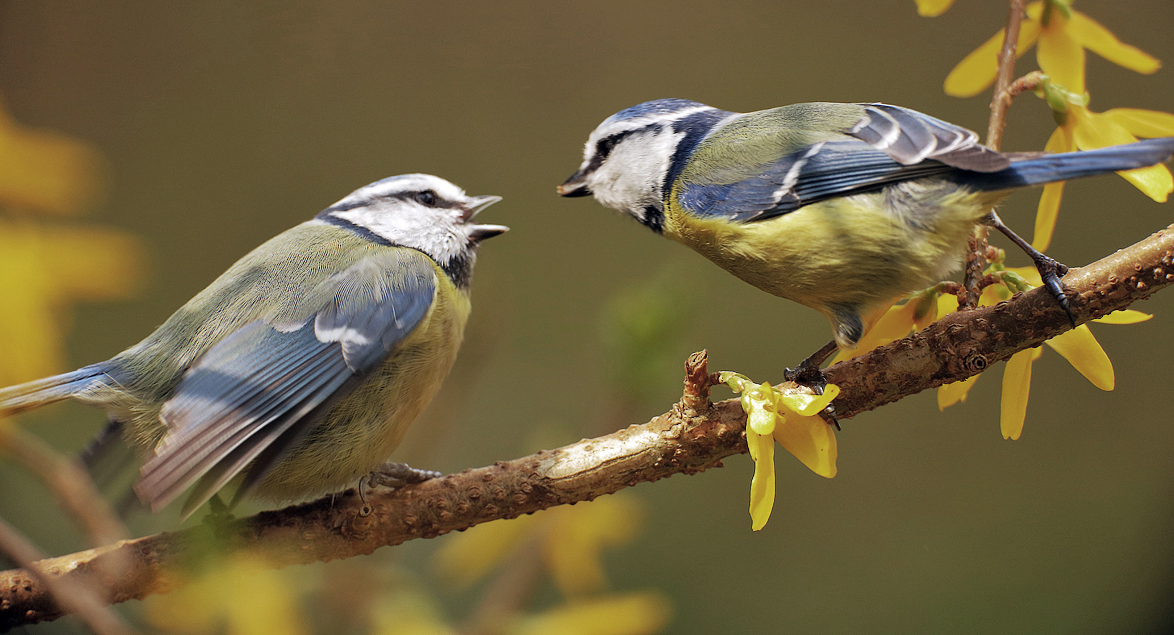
[{"x": 576, "y": 185}]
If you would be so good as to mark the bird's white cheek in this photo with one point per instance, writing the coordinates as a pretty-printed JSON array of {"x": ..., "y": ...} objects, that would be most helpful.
[{"x": 631, "y": 178}]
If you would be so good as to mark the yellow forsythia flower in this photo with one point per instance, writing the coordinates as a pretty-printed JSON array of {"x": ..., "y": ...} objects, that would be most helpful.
[
  {"x": 43, "y": 271},
  {"x": 1083, "y": 129},
  {"x": 791, "y": 418},
  {"x": 1063, "y": 35},
  {"x": 631, "y": 614},
  {"x": 45, "y": 171},
  {"x": 1078, "y": 346},
  {"x": 572, "y": 539}
]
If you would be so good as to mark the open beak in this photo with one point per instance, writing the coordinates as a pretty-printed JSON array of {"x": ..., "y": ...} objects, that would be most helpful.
[
  {"x": 477, "y": 204},
  {"x": 574, "y": 186},
  {"x": 477, "y": 233}
]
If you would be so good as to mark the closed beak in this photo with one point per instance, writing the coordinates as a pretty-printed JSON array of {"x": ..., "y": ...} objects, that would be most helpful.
[{"x": 574, "y": 186}]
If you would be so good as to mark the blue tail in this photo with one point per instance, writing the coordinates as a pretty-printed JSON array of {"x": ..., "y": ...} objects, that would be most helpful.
[
  {"x": 1073, "y": 165},
  {"x": 48, "y": 390}
]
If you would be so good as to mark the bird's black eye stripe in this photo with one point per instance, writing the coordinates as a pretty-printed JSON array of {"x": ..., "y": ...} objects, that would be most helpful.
[
  {"x": 426, "y": 198},
  {"x": 607, "y": 144},
  {"x": 604, "y": 146}
]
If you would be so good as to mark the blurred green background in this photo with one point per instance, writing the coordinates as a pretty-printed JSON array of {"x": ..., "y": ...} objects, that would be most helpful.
[{"x": 225, "y": 123}]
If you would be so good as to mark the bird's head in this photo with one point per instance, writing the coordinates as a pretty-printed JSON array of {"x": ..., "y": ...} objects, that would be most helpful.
[
  {"x": 420, "y": 211},
  {"x": 631, "y": 158}
]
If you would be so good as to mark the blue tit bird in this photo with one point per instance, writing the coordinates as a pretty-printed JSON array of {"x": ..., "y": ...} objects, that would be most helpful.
[
  {"x": 298, "y": 370},
  {"x": 839, "y": 207}
]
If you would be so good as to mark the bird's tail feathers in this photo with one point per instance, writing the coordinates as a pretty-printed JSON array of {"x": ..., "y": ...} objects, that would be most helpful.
[
  {"x": 1047, "y": 168},
  {"x": 45, "y": 391}
]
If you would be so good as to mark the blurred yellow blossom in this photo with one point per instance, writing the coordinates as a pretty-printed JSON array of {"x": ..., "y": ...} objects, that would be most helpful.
[
  {"x": 1063, "y": 35},
  {"x": 571, "y": 538},
  {"x": 791, "y": 418},
  {"x": 46, "y": 171},
  {"x": 405, "y": 611},
  {"x": 241, "y": 595},
  {"x": 933, "y": 8},
  {"x": 43, "y": 271},
  {"x": 642, "y": 613}
]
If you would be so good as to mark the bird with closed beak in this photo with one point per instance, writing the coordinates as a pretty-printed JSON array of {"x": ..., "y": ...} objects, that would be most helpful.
[
  {"x": 839, "y": 207},
  {"x": 299, "y": 370}
]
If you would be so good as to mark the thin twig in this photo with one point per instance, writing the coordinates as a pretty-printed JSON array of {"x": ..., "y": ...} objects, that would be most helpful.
[
  {"x": 69, "y": 594},
  {"x": 1000, "y": 101},
  {"x": 68, "y": 481},
  {"x": 692, "y": 436},
  {"x": 509, "y": 592}
]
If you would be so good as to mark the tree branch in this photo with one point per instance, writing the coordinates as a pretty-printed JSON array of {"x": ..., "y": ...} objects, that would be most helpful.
[{"x": 692, "y": 436}]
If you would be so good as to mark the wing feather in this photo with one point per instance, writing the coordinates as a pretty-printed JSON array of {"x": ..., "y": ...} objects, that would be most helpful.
[
  {"x": 260, "y": 389},
  {"x": 888, "y": 145}
]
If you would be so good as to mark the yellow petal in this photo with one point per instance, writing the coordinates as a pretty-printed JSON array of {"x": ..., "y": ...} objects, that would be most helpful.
[
  {"x": 933, "y": 8},
  {"x": 578, "y": 536},
  {"x": 994, "y": 294},
  {"x": 806, "y": 404},
  {"x": 1046, "y": 213},
  {"x": 1154, "y": 181},
  {"x": 466, "y": 557},
  {"x": 976, "y": 72},
  {"x": 758, "y": 404},
  {"x": 1124, "y": 316},
  {"x": 1082, "y": 350},
  {"x": 406, "y": 611},
  {"x": 1059, "y": 55},
  {"x": 242, "y": 596},
  {"x": 950, "y": 394},
  {"x": 1049, "y": 201},
  {"x": 1101, "y": 41},
  {"x": 762, "y": 487},
  {"x": 897, "y": 322},
  {"x": 1141, "y": 122},
  {"x": 947, "y": 304},
  {"x": 631, "y": 614},
  {"x": 1016, "y": 387},
  {"x": 1094, "y": 130},
  {"x": 812, "y": 441},
  {"x": 47, "y": 171},
  {"x": 43, "y": 270}
]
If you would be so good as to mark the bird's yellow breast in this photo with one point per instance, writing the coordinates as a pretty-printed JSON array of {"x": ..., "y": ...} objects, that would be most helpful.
[{"x": 858, "y": 251}]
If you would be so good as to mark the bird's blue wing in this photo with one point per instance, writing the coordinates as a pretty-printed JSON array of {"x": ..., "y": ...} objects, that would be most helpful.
[
  {"x": 888, "y": 145},
  {"x": 253, "y": 395}
]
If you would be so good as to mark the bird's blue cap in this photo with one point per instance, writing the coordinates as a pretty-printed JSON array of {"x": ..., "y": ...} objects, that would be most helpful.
[{"x": 655, "y": 107}]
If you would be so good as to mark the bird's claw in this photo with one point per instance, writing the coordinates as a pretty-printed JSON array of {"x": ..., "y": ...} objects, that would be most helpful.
[
  {"x": 811, "y": 376},
  {"x": 394, "y": 475},
  {"x": 1050, "y": 271}
]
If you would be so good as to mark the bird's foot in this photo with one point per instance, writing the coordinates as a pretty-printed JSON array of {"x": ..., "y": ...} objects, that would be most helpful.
[
  {"x": 394, "y": 475},
  {"x": 808, "y": 374},
  {"x": 1050, "y": 271}
]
